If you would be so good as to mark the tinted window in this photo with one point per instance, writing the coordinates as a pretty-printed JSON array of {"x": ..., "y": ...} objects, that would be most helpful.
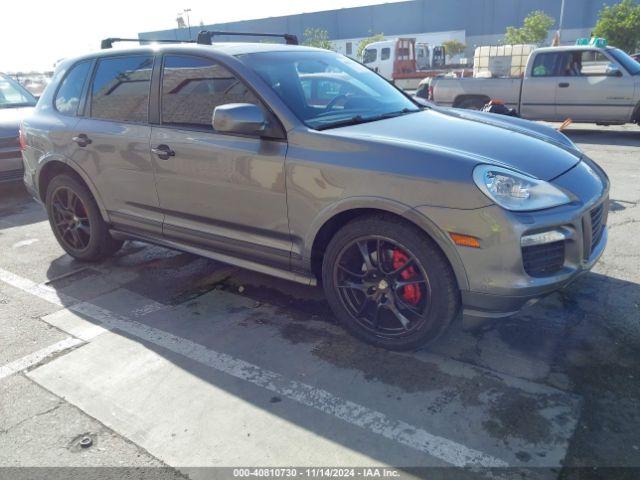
[
  {"x": 121, "y": 88},
  {"x": 546, "y": 64},
  {"x": 349, "y": 48},
  {"x": 193, "y": 87},
  {"x": 385, "y": 53},
  {"x": 70, "y": 91},
  {"x": 370, "y": 55}
]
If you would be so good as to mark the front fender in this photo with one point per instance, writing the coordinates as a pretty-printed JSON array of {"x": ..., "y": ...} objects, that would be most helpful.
[{"x": 391, "y": 206}]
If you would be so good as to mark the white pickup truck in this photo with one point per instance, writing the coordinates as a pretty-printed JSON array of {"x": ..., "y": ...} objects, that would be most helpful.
[{"x": 585, "y": 83}]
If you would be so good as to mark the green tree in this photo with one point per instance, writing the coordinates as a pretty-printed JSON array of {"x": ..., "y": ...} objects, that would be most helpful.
[
  {"x": 535, "y": 29},
  {"x": 620, "y": 25},
  {"x": 366, "y": 41},
  {"x": 453, "y": 47},
  {"x": 317, "y": 37}
]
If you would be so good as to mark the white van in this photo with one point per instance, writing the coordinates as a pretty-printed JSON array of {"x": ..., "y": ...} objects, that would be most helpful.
[{"x": 378, "y": 56}]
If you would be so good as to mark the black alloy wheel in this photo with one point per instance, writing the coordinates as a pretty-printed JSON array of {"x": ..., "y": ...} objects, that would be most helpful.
[
  {"x": 389, "y": 283},
  {"x": 71, "y": 219},
  {"x": 383, "y": 286}
]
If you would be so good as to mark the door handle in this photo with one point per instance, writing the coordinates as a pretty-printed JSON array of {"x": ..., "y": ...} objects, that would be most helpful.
[
  {"x": 163, "y": 152},
  {"x": 82, "y": 140},
  {"x": 563, "y": 85}
]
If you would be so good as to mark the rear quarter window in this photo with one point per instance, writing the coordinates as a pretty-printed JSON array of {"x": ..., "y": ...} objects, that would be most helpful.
[
  {"x": 69, "y": 93},
  {"x": 120, "y": 90}
]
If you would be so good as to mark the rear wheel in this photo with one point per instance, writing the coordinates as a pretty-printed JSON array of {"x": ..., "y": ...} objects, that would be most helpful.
[
  {"x": 472, "y": 103},
  {"x": 389, "y": 284},
  {"x": 76, "y": 221}
]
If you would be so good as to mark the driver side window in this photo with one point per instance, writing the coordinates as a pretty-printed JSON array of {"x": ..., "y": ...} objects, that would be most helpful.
[{"x": 192, "y": 87}]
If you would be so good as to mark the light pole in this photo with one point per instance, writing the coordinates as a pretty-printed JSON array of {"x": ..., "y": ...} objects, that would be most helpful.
[
  {"x": 561, "y": 22},
  {"x": 186, "y": 12}
]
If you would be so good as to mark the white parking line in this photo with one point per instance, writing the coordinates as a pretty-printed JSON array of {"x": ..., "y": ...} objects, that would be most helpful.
[
  {"x": 376, "y": 422},
  {"x": 36, "y": 357}
]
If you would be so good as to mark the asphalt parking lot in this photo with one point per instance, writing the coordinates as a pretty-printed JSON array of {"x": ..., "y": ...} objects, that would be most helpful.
[{"x": 167, "y": 360}]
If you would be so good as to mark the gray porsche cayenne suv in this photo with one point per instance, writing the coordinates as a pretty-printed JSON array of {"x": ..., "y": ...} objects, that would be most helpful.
[{"x": 303, "y": 164}]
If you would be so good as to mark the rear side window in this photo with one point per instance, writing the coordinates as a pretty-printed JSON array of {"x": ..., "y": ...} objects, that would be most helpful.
[
  {"x": 192, "y": 87},
  {"x": 547, "y": 65},
  {"x": 385, "y": 53},
  {"x": 120, "y": 90},
  {"x": 68, "y": 97}
]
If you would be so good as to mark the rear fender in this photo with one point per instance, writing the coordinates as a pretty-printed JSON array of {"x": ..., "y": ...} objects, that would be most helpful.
[{"x": 47, "y": 161}]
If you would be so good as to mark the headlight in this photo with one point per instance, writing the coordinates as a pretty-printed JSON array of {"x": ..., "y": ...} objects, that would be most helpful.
[{"x": 516, "y": 191}]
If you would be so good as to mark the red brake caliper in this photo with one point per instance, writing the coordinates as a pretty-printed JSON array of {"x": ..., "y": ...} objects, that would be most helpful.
[{"x": 411, "y": 293}]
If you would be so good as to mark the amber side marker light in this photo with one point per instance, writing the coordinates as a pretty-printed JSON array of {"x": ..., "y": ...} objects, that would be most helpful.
[{"x": 464, "y": 240}]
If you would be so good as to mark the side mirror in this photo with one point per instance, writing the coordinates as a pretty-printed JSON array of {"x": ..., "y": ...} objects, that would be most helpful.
[
  {"x": 613, "y": 71},
  {"x": 242, "y": 118}
]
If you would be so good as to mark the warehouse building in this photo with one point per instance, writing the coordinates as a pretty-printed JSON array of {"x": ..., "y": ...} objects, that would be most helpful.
[{"x": 473, "y": 22}]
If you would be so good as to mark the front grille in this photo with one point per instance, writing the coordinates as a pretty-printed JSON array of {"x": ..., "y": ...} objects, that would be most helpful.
[
  {"x": 597, "y": 225},
  {"x": 543, "y": 260}
]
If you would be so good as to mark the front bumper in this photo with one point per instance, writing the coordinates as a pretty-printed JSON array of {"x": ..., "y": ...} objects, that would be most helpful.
[{"x": 499, "y": 284}]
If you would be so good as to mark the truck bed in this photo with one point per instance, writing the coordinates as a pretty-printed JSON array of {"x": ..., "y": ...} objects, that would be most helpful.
[{"x": 460, "y": 92}]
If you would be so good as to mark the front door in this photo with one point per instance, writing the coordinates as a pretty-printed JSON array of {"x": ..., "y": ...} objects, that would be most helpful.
[
  {"x": 594, "y": 89},
  {"x": 218, "y": 191}
]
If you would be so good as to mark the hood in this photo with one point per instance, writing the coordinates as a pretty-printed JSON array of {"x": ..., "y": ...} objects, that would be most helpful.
[
  {"x": 10, "y": 119},
  {"x": 485, "y": 140},
  {"x": 540, "y": 130}
]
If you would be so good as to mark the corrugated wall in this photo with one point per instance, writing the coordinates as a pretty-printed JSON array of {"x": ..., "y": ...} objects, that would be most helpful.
[{"x": 476, "y": 17}]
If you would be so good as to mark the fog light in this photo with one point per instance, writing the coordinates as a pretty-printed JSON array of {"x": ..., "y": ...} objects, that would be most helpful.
[{"x": 543, "y": 237}]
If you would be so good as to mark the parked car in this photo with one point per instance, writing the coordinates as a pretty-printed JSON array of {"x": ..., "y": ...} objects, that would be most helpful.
[
  {"x": 15, "y": 103},
  {"x": 405, "y": 214},
  {"x": 584, "y": 83}
]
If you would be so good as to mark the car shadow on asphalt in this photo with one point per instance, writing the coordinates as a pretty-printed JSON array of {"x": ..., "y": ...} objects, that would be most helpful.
[{"x": 570, "y": 343}]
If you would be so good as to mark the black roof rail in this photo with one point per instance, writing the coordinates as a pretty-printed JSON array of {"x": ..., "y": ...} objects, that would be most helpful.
[
  {"x": 108, "y": 42},
  {"x": 205, "y": 36}
]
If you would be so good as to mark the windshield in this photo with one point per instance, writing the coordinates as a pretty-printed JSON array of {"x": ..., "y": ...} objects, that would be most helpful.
[
  {"x": 327, "y": 90},
  {"x": 625, "y": 60},
  {"x": 13, "y": 95}
]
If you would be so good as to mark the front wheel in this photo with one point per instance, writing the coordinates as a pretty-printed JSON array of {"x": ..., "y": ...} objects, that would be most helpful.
[{"x": 389, "y": 283}]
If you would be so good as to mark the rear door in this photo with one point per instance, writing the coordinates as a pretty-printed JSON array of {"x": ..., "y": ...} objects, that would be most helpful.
[
  {"x": 594, "y": 88},
  {"x": 112, "y": 141},
  {"x": 219, "y": 191},
  {"x": 539, "y": 87}
]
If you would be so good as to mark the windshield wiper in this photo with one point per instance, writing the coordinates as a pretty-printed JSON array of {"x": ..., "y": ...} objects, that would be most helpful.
[{"x": 358, "y": 119}]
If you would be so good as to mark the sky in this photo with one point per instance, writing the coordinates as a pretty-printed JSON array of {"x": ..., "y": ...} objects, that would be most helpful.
[{"x": 45, "y": 31}]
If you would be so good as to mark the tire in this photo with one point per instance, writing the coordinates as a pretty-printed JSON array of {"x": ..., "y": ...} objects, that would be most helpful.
[
  {"x": 76, "y": 221},
  {"x": 430, "y": 306}
]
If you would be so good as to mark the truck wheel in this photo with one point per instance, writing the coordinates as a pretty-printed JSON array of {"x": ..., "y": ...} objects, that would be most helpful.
[
  {"x": 388, "y": 283},
  {"x": 76, "y": 220},
  {"x": 474, "y": 103}
]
